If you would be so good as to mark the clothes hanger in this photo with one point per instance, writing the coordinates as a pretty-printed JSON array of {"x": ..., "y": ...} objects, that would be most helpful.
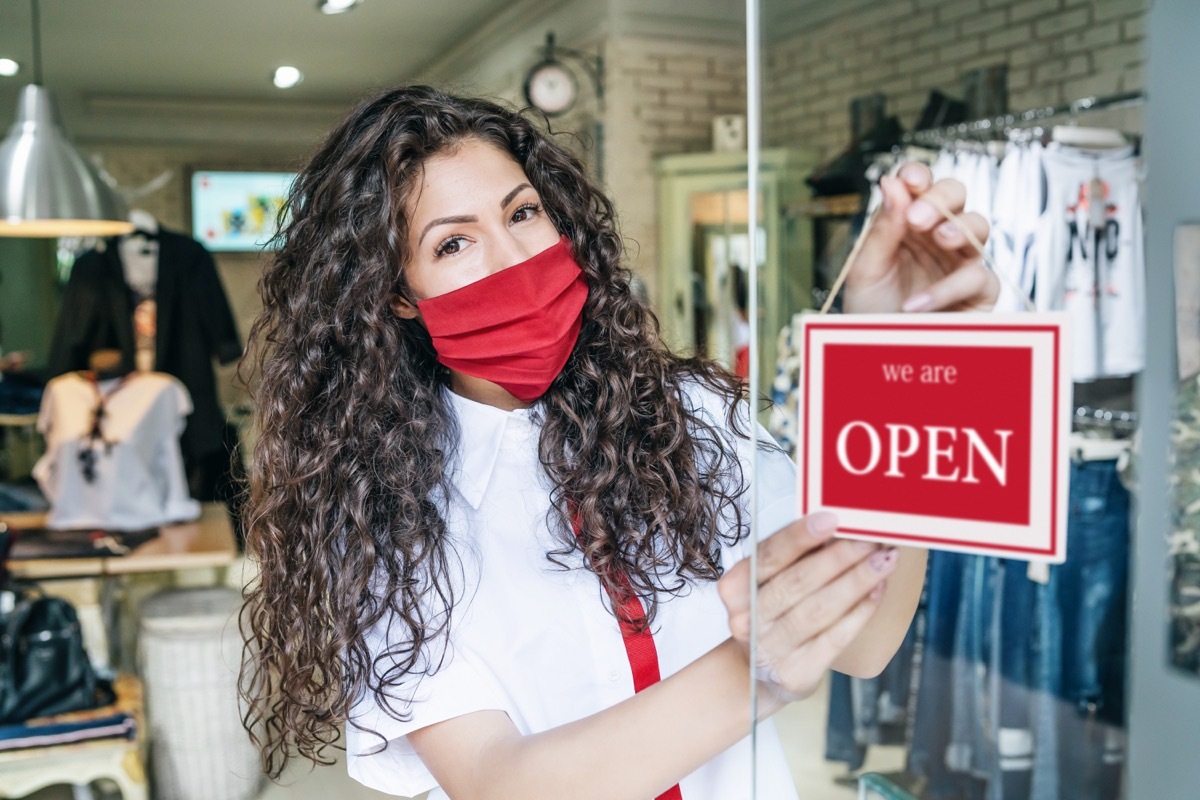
[
  {"x": 1099, "y": 434},
  {"x": 1089, "y": 138},
  {"x": 1074, "y": 135},
  {"x": 143, "y": 241},
  {"x": 144, "y": 224},
  {"x": 1103, "y": 422}
]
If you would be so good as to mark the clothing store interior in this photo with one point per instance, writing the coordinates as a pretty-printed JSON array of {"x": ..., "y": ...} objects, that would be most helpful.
[{"x": 144, "y": 173}]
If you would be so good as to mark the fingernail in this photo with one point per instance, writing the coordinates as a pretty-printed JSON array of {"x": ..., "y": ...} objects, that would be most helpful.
[
  {"x": 822, "y": 523},
  {"x": 912, "y": 175},
  {"x": 922, "y": 214},
  {"x": 918, "y": 302},
  {"x": 883, "y": 560},
  {"x": 864, "y": 547},
  {"x": 948, "y": 231}
]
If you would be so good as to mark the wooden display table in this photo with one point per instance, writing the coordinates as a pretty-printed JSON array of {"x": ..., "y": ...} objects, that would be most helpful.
[{"x": 207, "y": 542}]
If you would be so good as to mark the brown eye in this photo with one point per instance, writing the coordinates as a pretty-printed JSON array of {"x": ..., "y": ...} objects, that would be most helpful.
[
  {"x": 449, "y": 247},
  {"x": 526, "y": 212}
]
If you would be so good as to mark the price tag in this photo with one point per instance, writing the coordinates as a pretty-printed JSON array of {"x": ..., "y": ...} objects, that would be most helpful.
[{"x": 945, "y": 431}]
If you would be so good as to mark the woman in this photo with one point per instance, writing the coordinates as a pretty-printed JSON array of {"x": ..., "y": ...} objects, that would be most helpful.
[{"x": 490, "y": 506}]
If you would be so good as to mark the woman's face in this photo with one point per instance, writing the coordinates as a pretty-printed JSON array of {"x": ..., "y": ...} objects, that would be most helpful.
[{"x": 474, "y": 214}]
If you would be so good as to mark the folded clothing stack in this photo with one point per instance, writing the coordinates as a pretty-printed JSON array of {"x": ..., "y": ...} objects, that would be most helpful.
[
  {"x": 31, "y": 543},
  {"x": 81, "y": 726}
]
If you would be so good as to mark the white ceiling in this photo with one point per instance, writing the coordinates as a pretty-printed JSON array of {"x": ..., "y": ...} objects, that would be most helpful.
[{"x": 230, "y": 48}]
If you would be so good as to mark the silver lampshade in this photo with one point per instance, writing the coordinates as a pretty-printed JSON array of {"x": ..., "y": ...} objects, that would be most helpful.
[{"x": 47, "y": 188}]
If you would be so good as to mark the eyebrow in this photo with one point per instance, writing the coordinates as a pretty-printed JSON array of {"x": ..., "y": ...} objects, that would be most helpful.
[
  {"x": 445, "y": 221},
  {"x": 469, "y": 218},
  {"x": 508, "y": 197}
]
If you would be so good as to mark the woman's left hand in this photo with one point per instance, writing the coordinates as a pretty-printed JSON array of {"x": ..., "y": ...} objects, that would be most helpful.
[{"x": 914, "y": 259}]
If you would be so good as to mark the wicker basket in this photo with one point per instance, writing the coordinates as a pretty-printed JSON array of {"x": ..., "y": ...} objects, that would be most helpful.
[{"x": 190, "y": 651}]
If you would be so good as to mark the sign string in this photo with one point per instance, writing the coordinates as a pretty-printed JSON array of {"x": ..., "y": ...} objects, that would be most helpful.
[{"x": 955, "y": 220}]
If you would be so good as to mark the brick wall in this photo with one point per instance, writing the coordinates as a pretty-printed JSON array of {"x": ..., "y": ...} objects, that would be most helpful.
[
  {"x": 661, "y": 100},
  {"x": 672, "y": 90},
  {"x": 1056, "y": 51}
]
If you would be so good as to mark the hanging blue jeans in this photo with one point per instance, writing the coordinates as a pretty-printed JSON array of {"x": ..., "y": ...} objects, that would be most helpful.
[
  {"x": 972, "y": 748},
  {"x": 1022, "y": 684},
  {"x": 840, "y": 744},
  {"x": 933, "y": 718},
  {"x": 1021, "y": 689},
  {"x": 1090, "y": 592},
  {"x": 872, "y": 711}
]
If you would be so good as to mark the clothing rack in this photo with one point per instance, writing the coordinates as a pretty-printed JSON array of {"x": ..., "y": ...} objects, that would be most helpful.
[
  {"x": 1008, "y": 122},
  {"x": 1118, "y": 421}
]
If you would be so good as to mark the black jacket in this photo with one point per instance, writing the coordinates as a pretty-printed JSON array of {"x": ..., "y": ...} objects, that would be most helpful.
[{"x": 195, "y": 324}]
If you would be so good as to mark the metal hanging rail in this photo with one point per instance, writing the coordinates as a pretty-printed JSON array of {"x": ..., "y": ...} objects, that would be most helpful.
[{"x": 1008, "y": 121}]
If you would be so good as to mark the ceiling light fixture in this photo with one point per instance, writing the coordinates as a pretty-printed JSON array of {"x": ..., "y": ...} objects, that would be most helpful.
[
  {"x": 336, "y": 6},
  {"x": 287, "y": 77},
  {"x": 8, "y": 67},
  {"x": 47, "y": 187}
]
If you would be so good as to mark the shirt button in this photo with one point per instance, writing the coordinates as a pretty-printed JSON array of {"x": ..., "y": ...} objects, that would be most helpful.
[{"x": 614, "y": 676}]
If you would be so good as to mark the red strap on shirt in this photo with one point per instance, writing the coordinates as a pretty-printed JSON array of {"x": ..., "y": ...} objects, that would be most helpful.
[{"x": 639, "y": 645}]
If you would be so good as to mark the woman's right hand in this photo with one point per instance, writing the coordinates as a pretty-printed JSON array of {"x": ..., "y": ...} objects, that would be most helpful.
[{"x": 815, "y": 596}]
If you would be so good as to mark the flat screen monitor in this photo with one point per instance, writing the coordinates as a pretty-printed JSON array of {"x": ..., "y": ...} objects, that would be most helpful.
[{"x": 237, "y": 211}]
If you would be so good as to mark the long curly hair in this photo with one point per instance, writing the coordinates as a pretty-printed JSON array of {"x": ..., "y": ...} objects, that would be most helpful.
[{"x": 355, "y": 434}]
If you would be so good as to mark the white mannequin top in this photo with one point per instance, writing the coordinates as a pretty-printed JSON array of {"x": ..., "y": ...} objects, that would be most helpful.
[{"x": 137, "y": 468}]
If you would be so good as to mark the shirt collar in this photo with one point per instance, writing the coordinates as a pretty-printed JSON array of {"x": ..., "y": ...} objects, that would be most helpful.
[{"x": 481, "y": 432}]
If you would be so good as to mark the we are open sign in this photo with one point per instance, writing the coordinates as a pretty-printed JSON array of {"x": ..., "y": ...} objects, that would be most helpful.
[{"x": 946, "y": 431}]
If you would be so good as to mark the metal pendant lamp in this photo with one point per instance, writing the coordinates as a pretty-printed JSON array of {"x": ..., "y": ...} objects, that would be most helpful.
[{"x": 47, "y": 188}]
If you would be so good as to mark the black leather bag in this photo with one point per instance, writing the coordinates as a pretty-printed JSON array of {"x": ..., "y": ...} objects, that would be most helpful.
[{"x": 44, "y": 667}]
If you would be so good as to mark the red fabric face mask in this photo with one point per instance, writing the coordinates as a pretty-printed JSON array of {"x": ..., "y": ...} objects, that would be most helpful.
[{"x": 515, "y": 328}]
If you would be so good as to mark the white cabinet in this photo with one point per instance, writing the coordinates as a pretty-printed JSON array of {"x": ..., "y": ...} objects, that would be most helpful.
[{"x": 703, "y": 244}]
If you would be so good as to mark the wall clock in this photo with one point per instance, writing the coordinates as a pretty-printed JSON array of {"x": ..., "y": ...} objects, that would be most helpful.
[{"x": 551, "y": 88}]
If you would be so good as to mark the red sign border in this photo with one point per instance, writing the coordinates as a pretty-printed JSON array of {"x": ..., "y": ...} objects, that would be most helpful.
[{"x": 1054, "y": 331}]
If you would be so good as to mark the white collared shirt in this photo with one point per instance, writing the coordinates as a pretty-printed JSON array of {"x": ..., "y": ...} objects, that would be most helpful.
[{"x": 539, "y": 642}]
